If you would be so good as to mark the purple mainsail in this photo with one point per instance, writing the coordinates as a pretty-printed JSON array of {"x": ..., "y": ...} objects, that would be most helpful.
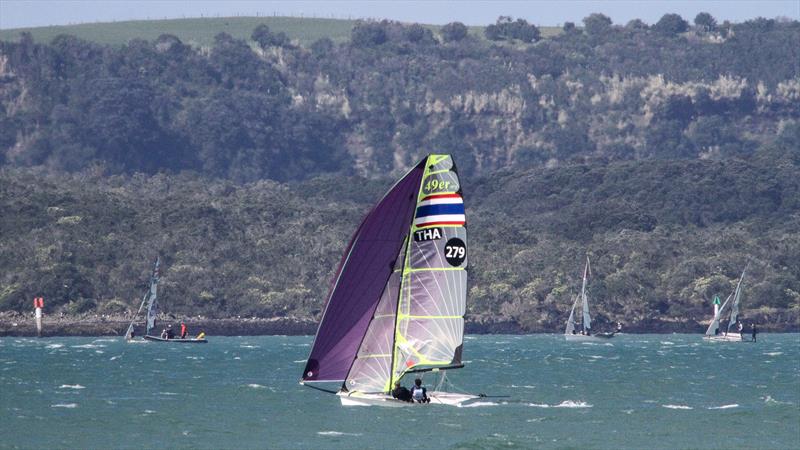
[{"x": 367, "y": 265}]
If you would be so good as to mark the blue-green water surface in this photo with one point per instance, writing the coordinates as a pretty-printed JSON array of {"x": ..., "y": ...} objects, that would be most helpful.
[{"x": 636, "y": 391}]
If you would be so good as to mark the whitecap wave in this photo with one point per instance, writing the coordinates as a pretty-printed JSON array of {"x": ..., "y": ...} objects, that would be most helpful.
[
  {"x": 256, "y": 386},
  {"x": 477, "y": 404},
  {"x": 732, "y": 405},
  {"x": 53, "y": 345},
  {"x": 677, "y": 407},
  {"x": 336, "y": 433},
  {"x": 771, "y": 401},
  {"x": 65, "y": 405},
  {"x": 564, "y": 404},
  {"x": 773, "y": 353},
  {"x": 115, "y": 357},
  {"x": 571, "y": 404},
  {"x": 87, "y": 346},
  {"x": 71, "y": 386},
  {"x": 248, "y": 346}
]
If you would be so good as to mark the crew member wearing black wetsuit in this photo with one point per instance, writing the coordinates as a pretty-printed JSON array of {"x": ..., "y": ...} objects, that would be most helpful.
[{"x": 401, "y": 393}]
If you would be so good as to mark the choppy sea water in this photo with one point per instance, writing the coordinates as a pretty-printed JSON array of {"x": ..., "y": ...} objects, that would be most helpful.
[{"x": 636, "y": 391}]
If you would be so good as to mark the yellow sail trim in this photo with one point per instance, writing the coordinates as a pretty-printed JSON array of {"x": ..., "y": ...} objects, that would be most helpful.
[
  {"x": 436, "y": 172},
  {"x": 435, "y": 269},
  {"x": 406, "y": 316}
]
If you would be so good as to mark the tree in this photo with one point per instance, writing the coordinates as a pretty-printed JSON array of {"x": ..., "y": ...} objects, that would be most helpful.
[
  {"x": 368, "y": 34},
  {"x": 265, "y": 38},
  {"x": 492, "y": 33},
  {"x": 705, "y": 22},
  {"x": 636, "y": 24},
  {"x": 597, "y": 24},
  {"x": 454, "y": 32},
  {"x": 671, "y": 25}
]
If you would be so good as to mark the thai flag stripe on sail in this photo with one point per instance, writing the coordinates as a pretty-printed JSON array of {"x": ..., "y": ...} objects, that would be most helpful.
[{"x": 442, "y": 209}]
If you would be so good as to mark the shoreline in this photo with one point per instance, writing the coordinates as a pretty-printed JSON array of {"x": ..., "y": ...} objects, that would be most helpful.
[{"x": 23, "y": 326}]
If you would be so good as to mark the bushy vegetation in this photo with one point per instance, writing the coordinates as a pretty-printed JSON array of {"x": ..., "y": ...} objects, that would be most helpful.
[{"x": 669, "y": 153}]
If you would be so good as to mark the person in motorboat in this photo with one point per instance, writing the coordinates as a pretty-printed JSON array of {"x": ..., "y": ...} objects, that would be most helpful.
[
  {"x": 164, "y": 333},
  {"x": 202, "y": 335},
  {"x": 741, "y": 328},
  {"x": 401, "y": 393},
  {"x": 184, "y": 330},
  {"x": 419, "y": 393},
  {"x": 170, "y": 333}
]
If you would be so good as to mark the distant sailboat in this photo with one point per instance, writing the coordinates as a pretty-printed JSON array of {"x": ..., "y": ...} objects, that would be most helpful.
[
  {"x": 732, "y": 332},
  {"x": 570, "y": 332},
  {"x": 150, "y": 298},
  {"x": 398, "y": 303}
]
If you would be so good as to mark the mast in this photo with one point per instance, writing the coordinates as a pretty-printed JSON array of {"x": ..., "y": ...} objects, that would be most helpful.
[
  {"x": 152, "y": 302},
  {"x": 587, "y": 319},
  {"x": 737, "y": 296},
  {"x": 429, "y": 330},
  {"x": 129, "y": 332}
]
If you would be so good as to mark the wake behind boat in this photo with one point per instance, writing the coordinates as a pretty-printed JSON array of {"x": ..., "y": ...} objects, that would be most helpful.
[
  {"x": 570, "y": 332},
  {"x": 398, "y": 303}
]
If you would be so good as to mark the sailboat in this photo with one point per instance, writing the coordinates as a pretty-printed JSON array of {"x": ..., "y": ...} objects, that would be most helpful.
[
  {"x": 398, "y": 301},
  {"x": 570, "y": 332},
  {"x": 150, "y": 298},
  {"x": 732, "y": 332}
]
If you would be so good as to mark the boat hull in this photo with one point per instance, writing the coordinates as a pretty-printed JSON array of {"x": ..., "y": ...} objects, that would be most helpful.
[
  {"x": 584, "y": 338},
  {"x": 176, "y": 340},
  {"x": 732, "y": 337},
  {"x": 437, "y": 398}
]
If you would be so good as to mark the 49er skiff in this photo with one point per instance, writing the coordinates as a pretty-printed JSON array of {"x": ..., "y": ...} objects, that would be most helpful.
[{"x": 398, "y": 302}]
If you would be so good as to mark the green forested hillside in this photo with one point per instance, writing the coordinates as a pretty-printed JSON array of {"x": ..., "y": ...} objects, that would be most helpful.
[{"x": 667, "y": 153}]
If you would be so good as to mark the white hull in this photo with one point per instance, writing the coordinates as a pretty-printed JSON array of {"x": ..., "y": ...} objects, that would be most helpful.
[
  {"x": 437, "y": 398},
  {"x": 731, "y": 337},
  {"x": 584, "y": 338}
]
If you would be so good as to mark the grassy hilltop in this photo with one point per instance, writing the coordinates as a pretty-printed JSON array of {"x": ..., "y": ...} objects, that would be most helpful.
[{"x": 201, "y": 31}]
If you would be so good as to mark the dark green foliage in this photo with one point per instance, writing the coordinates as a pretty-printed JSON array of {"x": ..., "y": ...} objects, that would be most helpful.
[
  {"x": 454, "y": 32},
  {"x": 705, "y": 22},
  {"x": 368, "y": 34},
  {"x": 671, "y": 24},
  {"x": 265, "y": 38},
  {"x": 507, "y": 28},
  {"x": 597, "y": 24}
]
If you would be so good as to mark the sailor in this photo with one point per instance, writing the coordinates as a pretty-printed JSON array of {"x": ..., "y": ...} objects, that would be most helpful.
[
  {"x": 184, "y": 330},
  {"x": 741, "y": 328},
  {"x": 164, "y": 334},
  {"x": 170, "y": 333},
  {"x": 419, "y": 393},
  {"x": 754, "y": 331},
  {"x": 401, "y": 393},
  {"x": 201, "y": 335}
]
